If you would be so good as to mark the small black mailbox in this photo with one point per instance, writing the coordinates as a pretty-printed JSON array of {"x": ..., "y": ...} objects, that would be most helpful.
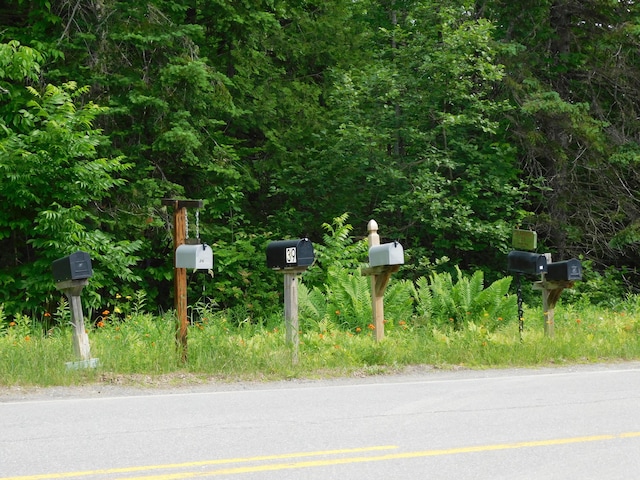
[
  {"x": 565, "y": 271},
  {"x": 283, "y": 254},
  {"x": 76, "y": 266},
  {"x": 526, "y": 262}
]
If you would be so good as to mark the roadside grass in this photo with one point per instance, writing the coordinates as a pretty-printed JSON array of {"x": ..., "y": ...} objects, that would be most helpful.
[{"x": 221, "y": 348}]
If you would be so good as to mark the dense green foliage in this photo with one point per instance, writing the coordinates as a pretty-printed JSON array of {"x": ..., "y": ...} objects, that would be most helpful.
[{"x": 448, "y": 122}]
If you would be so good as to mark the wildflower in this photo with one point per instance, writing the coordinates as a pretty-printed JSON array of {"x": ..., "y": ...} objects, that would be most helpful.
[
  {"x": 371, "y": 326},
  {"x": 578, "y": 321},
  {"x": 100, "y": 324},
  {"x": 12, "y": 324},
  {"x": 358, "y": 329},
  {"x": 337, "y": 312},
  {"x": 128, "y": 297},
  {"x": 118, "y": 295},
  {"x": 27, "y": 338},
  {"x": 499, "y": 319},
  {"x": 117, "y": 310},
  {"x": 47, "y": 314},
  {"x": 402, "y": 322},
  {"x": 105, "y": 312},
  {"x": 321, "y": 336}
]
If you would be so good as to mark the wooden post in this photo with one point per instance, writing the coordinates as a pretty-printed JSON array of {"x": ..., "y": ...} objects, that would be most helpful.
[
  {"x": 377, "y": 305},
  {"x": 73, "y": 289},
  {"x": 551, "y": 292},
  {"x": 291, "y": 313},
  {"x": 380, "y": 276},
  {"x": 180, "y": 274}
]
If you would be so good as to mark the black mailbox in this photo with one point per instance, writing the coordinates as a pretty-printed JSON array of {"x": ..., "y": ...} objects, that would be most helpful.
[
  {"x": 76, "y": 266},
  {"x": 526, "y": 262},
  {"x": 284, "y": 254},
  {"x": 565, "y": 271}
]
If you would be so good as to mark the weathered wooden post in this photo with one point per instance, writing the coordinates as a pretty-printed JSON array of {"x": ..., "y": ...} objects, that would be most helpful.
[
  {"x": 180, "y": 234},
  {"x": 559, "y": 275},
  {"x": 71, "y": 274},
  {"x": 291, "y": 258},
  {"x": 383, "y": 261}
]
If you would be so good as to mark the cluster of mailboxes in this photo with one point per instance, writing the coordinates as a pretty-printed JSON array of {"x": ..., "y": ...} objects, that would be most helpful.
[
  {"x": 529, "y": 263},
  {"x": 76, "y": 266},
  {"x": 290, "y": 254}
]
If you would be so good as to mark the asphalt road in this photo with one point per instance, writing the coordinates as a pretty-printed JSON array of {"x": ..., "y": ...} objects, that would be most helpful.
[{"x": 578, "y": 422}]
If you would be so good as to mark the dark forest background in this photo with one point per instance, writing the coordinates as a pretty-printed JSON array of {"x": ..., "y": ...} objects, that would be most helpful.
[{"x": 449, "y": 122}]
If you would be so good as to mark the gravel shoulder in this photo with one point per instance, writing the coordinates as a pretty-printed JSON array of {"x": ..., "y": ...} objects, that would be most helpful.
[{"x": 111, "y": 385}]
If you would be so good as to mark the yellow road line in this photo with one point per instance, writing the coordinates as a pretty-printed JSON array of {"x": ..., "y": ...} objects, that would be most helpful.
[
  {"x": 237, "y": 470},
  {"x": 387, "y": 457},
  {"x": 51, "y": 476}
]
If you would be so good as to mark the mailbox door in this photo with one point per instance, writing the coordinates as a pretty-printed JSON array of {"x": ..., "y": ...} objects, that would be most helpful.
[
  {"x": 80, "y": 263},
  {"x": 305, "y": 253}
]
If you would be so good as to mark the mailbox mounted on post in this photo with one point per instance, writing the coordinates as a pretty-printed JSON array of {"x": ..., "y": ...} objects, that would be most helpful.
[
  {"x": 76, "y": 266},
  {"x": 285, "y": 254},
  {"x": 198, "y": 256},
  {"x": 526, "y": 262},
  {"x": 386, "y": 254},
  {"x": 565, "y": 271}
]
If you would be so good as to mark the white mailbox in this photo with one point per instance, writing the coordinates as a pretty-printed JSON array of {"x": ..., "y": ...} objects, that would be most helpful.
[
  {"x": 194, "y": 257},
  {"x": 386, "y": 254}
]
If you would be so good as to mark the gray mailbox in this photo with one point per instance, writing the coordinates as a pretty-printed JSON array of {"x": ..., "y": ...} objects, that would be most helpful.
[
  {"x": 386, "y": 254},
  {"x": 198, "y": 256},
  {"x": 76, "y": 266},
  {"x": 526, "y": 262},
  {"x": 565, "y": 271},
  {"x": 283, "y": 254}
]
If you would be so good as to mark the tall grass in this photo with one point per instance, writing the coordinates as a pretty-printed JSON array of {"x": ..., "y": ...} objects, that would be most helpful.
[{"x": 224, "y": 348}]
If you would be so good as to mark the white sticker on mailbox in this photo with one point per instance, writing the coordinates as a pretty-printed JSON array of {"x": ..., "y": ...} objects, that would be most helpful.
[{"x": 291, "y": 255}]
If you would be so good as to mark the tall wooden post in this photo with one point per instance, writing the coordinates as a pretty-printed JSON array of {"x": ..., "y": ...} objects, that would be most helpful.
[
  {"x": 180, "y": 274},
  {"x": 380, "y": 276},
  {"x": 377, "y": 304}
]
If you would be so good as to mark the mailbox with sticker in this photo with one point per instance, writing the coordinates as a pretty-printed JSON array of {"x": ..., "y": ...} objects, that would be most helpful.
[
  {"x": 76, "y": 266},
  {"x": 196, "y": 256},
  {"x": 564, "y": 271},
  {"x": 290, "y": 254}
]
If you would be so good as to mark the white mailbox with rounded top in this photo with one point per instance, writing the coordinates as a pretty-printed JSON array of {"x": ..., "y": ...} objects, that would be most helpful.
[
  {"x": 386, "y": 254},
  {"x": 199, "y": 256}
]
